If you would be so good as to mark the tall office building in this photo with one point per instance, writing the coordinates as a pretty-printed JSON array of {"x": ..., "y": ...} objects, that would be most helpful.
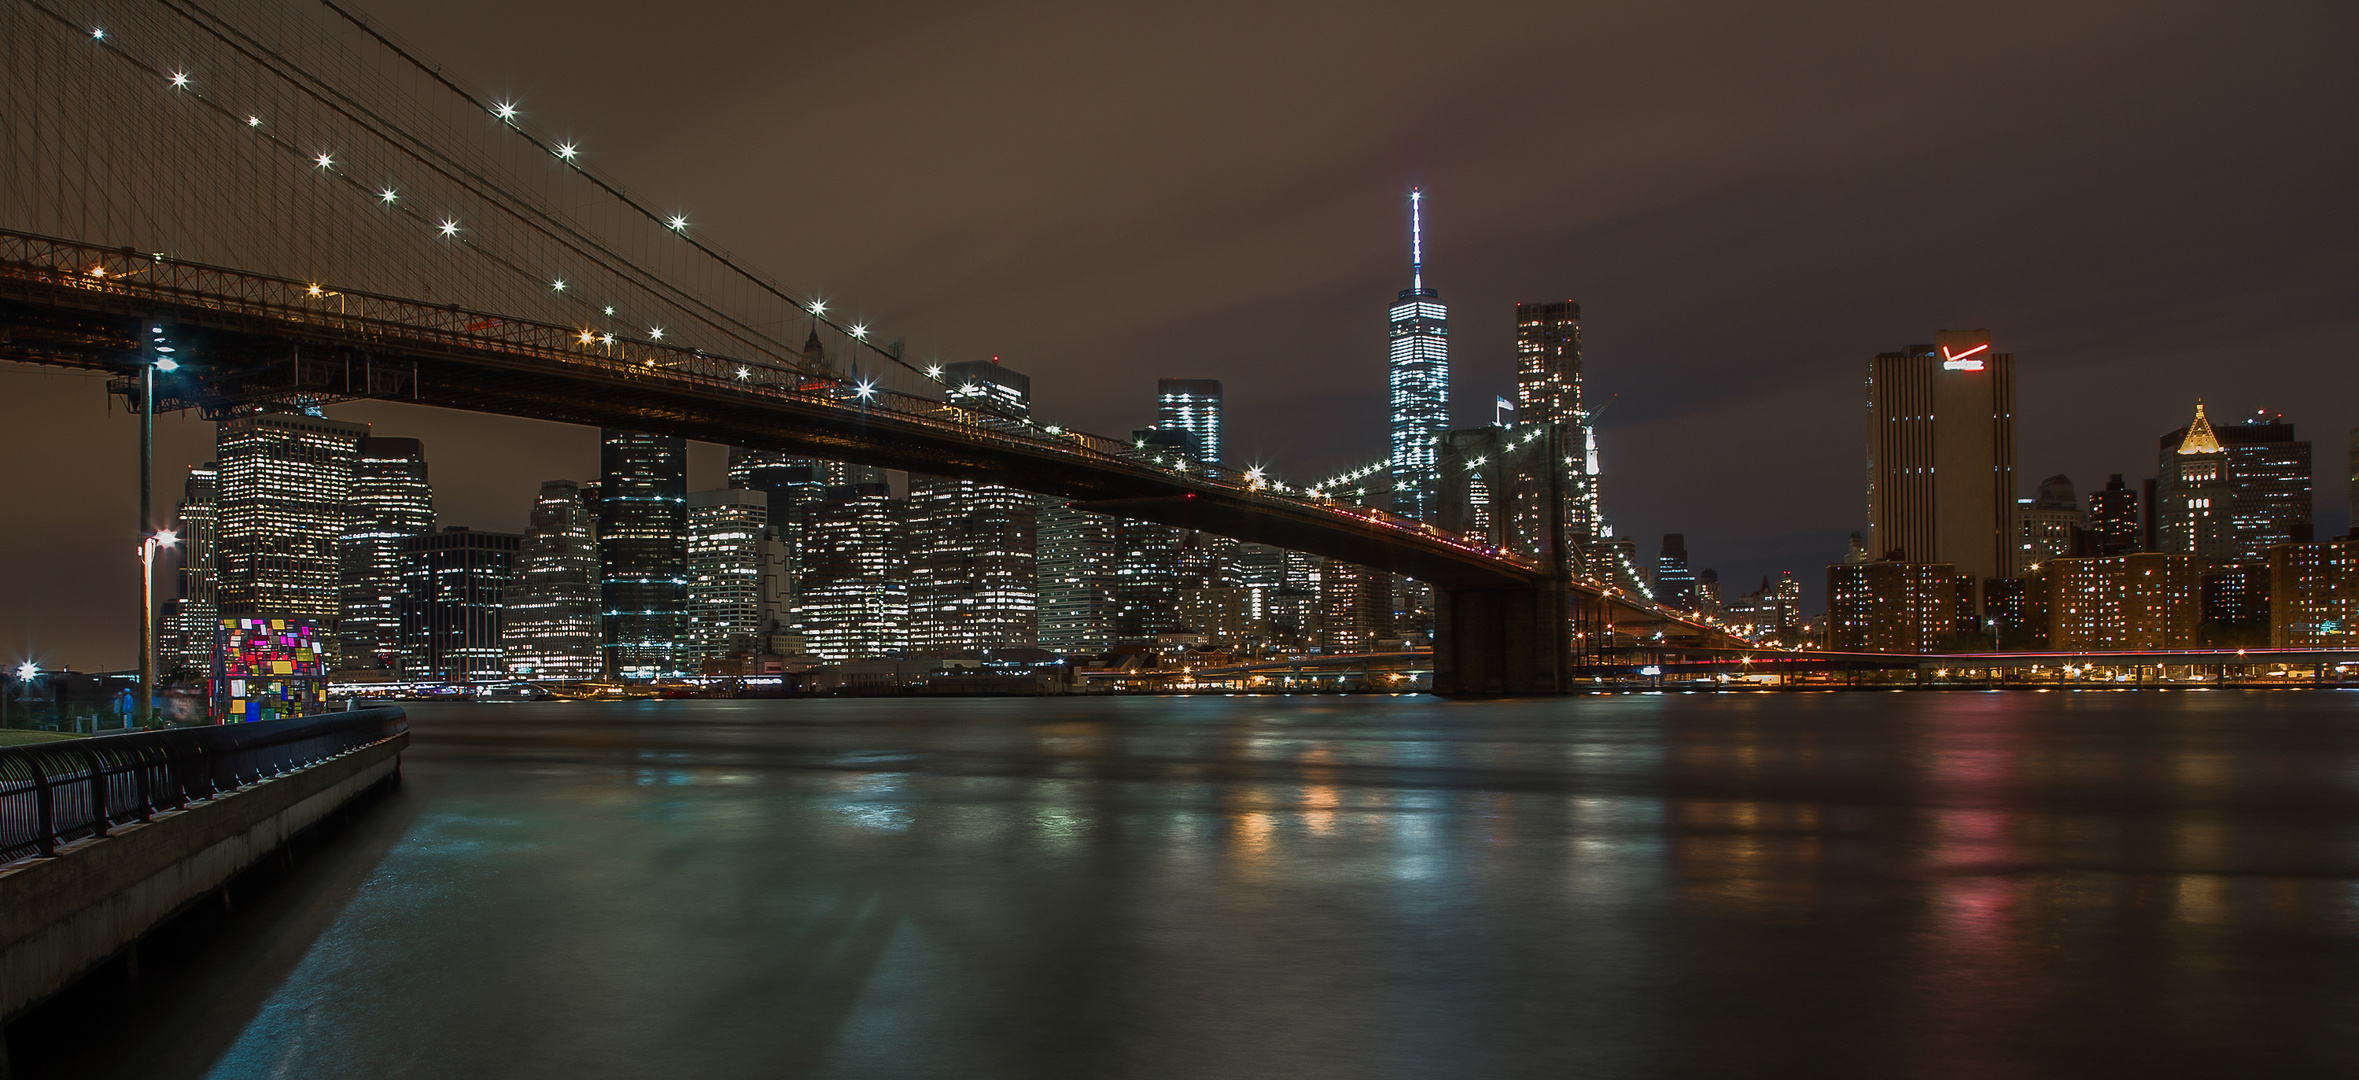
[
  {"x": 1420, "y": 341},
  {"x": 643, "y": 553},
  {"x": 2233, "y": 491},
  {"x": 726, "y": 533},
  {"x": 1675, "y": 584},
  {"x": 2045, "y": 525},
  {"x": 286, "y": 495},
  {"x": 453, "y": 604},
  {"x": 551, "y": 629},
  {"x": 1191, "y": 406},
  {"x": 1548, "y": 391},
  {"x": 1355, "y": 608},
  {"x": 853, "y": 597},
  {"x": 391, "y": 501},
  {"x": 973, "y": 566},
  {"x": 191, "y": 623},
  {"x": 1941, "y": 455},
  {"x": 787, "y": 480},
  {"x": 1077, "y": 575},
  {"x": 2113, "y": 517},
  {"x": 1146, "y": 581}
]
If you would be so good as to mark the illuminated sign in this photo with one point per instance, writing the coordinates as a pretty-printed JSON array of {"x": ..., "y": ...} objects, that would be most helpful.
[{"x": 1964, "y": 361}]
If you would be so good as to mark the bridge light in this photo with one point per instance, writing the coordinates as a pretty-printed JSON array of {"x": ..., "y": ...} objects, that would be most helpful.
[
  {"x": 505, "y": 110},
  {"x": 860, "y": 331},
  {"x": 449, "y": 227},
  {"x": 388, "y": 195},
  {"x": 28, "y": 671},
  {"x": 933, "y": 371},
  {"x": 678, "y": 223},
  {"x": 744, "y": 373},
  {"x": 867, "y": 390},
  {"x": 608, "y": 339},
  {"x": 98, "y": 271},
  {"x": 818, "y": 307},
  {"x": 166, "y": 538},
  {"x": 610, "y": 309},
  {"x": 180, "y": 80},
  {"x": 557, "y": 285},
  {"x": 325, "y": 160},
  {"x": 655, "y": 332},
  {"x": 253, "y": 121},
  {"x": 588, "y": 337},
  {"x": 98, "y": 33},
  {"x": 565, "y": 150}
]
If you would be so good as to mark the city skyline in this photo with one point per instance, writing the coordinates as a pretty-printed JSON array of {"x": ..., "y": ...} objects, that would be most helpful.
[{"x": 1681, "y": 399}]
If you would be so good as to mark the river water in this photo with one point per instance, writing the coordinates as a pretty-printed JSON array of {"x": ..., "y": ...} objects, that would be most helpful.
[{"x": 2157, "y": 883}]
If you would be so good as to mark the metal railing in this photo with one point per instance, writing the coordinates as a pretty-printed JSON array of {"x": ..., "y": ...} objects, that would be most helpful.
[{"x": 58, "y": 792}]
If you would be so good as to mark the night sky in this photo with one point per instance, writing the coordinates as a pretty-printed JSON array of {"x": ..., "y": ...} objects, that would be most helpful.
[{"x": 2146, "y": 203}]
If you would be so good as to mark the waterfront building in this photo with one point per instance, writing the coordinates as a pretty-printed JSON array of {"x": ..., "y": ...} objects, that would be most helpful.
[
  {"x": 1078, "y": 575},
  {"x": 2314, "y": 595},
  {"x": 454, "y": 588},
  {"x": 551, "y": 627},
  {"x": 286, "y": 497},
  {"x": 1419, "y": 332},
  {"x": 1191, "y": 407},
  {"x": 1941, "y": 455},
  {"x": 2230, "y": 492},
  {"x": 2113, "y": 517},
  {"x": 1889, "y": 606},
  {"x": 1355, "y": 608},
  {"x": 726, "y": 533},
  {"x": 190, "y": 624},
  {"x": 1675, "y": 584},
  {"x": 853, "y": 598},
  {"x": 2046, "y": 526},
  {"x": 643, "y": 553},
  {"x": 2149, "y": 600},
  {"x": 392, "y": 500}
]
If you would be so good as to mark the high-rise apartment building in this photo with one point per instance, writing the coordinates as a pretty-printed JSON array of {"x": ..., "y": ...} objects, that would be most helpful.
[
  {"x": 392, "y": 500},
  {"x": 643, "y": 553},
  {"x": 1941, "y": 455},
  {"x": 286, "y": 496},
  {"x": 1146, "y": 581},
  {"x": 1894, "y": 607},
  {"x": 192, "y": 623},
  {"x": 1191, "y": 406},
  {"x": 453, "y": 604},
  {"x": 1077, "y": 575},
  {"x": 2314, "y": 595},
  {"x": 2230, "y": 492},
  {"x": 727, "y": 532},
  {"x": 2145, "y": 601},
  {"x": 2046, "y": 524},
  {"x": 1355, "y": 608},
  {"x": 1675, "y": 584},
  {"x": 974, "y": 546},
  {"x": 2113, "y": 517},
  {"x": 853, "y": 597},
  {"x": 551, "y": 628},
  {"x": 1419, "y": 329}
]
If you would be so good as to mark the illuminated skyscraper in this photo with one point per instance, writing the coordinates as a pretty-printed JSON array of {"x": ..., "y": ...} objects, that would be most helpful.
[
  {"x": 853, "y": 598},
  {"x": 286, "y": 497},
  {"x": 453, "y": 602},
  {"x": 1675, "y": 584},
  {"x": 1077, "y": 576},
  {"x": 973, "y": 557},
  {"x": 1191, "y": 406},
  {"x": 190, "y": 626},
  {"x": 2231, "y": 492},
  {"x": 727, "y": 531},
  {"x": 643, "y": 553},
  {"x": 2045, "y": 526},
  {"x": 1420, "y": 337},
  {"x": 391, "y": 500},
  {"x": 551, "y": 630},
  {"x": 1941, "y": 455},
  {"x": 1548, "y": 392}
]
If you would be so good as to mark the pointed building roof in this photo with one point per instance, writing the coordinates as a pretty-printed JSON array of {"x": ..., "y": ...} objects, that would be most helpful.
[{"x": 2200, "y": 439}]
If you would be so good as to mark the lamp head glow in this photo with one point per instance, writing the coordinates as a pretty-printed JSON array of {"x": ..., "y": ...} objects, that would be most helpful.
[
  {"x": 167, "y": 365},
  {"x": 933, "y": 371},
  {"x": 818, "y": 307},
  {"x": 98, "y": 33},
  {"x": 610, "y": 309},
  {"x": 27, "y": 671},
  {"x": 745, "y": 373},
  {"x": 608, "y": 339},
  {"x": 314, "y": 289},
  {"x": 588, "y": 337},
  {"x": 167, "y": 537}
]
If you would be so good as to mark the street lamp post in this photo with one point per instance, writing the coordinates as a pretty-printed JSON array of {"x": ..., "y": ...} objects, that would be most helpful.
[{"x": 147, "y": 619}]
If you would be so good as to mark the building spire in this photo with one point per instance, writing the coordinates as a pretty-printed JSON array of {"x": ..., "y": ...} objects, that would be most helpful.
[
  {"x": 2200, "y": 439},
  {"x": 1416, "y": 239}
]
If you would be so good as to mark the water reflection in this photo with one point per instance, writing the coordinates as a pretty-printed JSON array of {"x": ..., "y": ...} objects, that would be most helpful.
[{"x": 1872, "y": 884}]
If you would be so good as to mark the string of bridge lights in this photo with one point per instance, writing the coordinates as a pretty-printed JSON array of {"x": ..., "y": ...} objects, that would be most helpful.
[{"x": 183, "y": 82}]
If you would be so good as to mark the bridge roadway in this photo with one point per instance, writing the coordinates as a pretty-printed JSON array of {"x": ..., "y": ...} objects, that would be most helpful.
[{"x": 257, "y": 339}]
